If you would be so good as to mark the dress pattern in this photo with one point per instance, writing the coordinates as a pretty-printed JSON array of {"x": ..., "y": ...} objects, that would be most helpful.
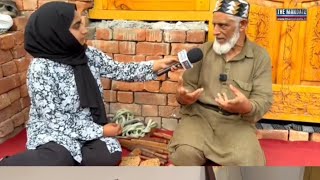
[{"x": 55, "y": 112}]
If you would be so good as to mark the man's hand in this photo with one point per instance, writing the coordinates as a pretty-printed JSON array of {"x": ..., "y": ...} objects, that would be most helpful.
[
  {"x": 240, "y": 104},
  {"x": 111, "y": 130},
  {"x": 186, "y": 97}
]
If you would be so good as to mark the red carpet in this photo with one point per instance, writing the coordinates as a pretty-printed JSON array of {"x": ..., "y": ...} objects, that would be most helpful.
[{"x": 278, "y": 153}]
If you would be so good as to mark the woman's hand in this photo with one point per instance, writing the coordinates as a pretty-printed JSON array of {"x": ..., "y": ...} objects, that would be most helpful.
[
  {"x": 111, "y": 130},
  {"x": 164, "y": 63}
]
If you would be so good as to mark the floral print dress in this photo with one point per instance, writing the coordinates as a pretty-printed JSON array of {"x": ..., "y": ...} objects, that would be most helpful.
[{"x": 55, "y": 112}]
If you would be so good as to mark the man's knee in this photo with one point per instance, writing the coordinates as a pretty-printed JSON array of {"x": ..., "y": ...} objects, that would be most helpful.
[{"x": 185, "y": 155}]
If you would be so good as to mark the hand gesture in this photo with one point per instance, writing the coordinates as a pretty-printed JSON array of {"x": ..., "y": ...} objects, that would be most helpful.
[
  {"x": 111, "y": 130},
  {"x": 240, "y": 104},
  {"x": 186, "y": 97}
]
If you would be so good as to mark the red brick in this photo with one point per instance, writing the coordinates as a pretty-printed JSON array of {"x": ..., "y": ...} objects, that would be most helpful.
[
  {"x": 22, "y": 64},
  {"x": 134, "y": 108},
  {"x": 153, "y": 49},
  {"x": 25, "y": 102},
  {"x": 18, "y": 119},
  {"x": 152, "y": 86},
  {"x": 103, "y": 34},
  {"x": 18, "y": 37},
  {"x": 5, "y": 56},
  {"x": 106, "y": 83},
  {"x": 126, "y": 34},
  {"x": 148, "y": 58},
  {"x": 14, "y": 94},
  {"x": 23, "y": 77},
  {"x": 19, "y": 23},
  {"x": 127, "y": 47},
  {"x": 6, "y": 128},
  {"x": 172, "y": 101},
  {"x": 8, "y": 83},
  {"x": 25, "y": 112},
  {"x": 19, "y": 4},
  {"x": 125, "y": 97},
  {"x": 129, "y": 58},
  {"x": 174, "y": 76},
  {"x": 150, "y": 110},
  {"x": 298, "y": 136},
  {"x": 150, "y": 98},
  {"x": 177, "y": 47},
  {"x": 10, "y": 110},
  {"x": 1, "y": 73},
  {"x": 6, "y": 41},
  {"x": 24, "y": 90},
  {"x": 30, "y": 5},
  {"x": 273, "y": 134},
  {"x": 154, "y": 35},
  {"x": 169, "y": 111},
  {"x": 126, "y": 86},
  {"x": 4, "y": 101},
  {"x": 18, "y": 51},
  {"x": 175, "y": 36},
  {"x": 106, "y": 46},
  {"x": 315, "y": 137},
  {"x": 168, "y": 87},
  {"x": 196, "y": 36},
  {"x": 9, "y": 68},
  {"x": 110, "y": 96}
]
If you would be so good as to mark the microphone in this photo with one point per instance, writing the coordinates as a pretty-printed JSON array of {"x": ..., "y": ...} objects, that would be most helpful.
[{"x": 185, "y": 59}]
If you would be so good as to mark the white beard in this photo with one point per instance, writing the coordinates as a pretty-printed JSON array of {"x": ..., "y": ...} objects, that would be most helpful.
[{"x": 226, "y": 47}]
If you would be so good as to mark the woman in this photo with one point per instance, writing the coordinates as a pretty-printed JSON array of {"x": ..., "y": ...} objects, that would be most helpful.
[{"x": 67, "y": 124}]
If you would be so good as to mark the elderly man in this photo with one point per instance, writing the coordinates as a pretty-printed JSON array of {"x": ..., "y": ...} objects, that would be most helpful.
[{"x": 224, "y": 95}]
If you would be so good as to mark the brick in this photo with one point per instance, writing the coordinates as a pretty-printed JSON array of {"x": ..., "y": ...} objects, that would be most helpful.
[
  {"x": 127, "y": 47},
  {"x": 5, "y": 56},
  {"x": 1, "y": 73},
  {"x": 154, "y": 119},
  {"x": 19, "y": 4},
  {"x": 175, "y": 76},
  {"x": 150, "y": 98},
  {"x": 169, "y": 123},
  {"x": 125, "y": 97},
  {"x": 18, "y": 37},
  {"x": 4, "y": 101},
  {"x": 9, "y": 111},
  {"x": 172, "y": 101},
  {"x": 126, "y": 34},
  {"x": 23, "y": 64},
  {"x": 134, "y": 108},
  {"x": 107, "y": 107},
  {"x": 19, "y": 23},
  {"x": 25, "y": 102},
  {"x": 126, "y": 86},
  {"x": 6, "y": 41},
  {"x": 24, "y": 90},
  {"x": 177, "y": 47},
  {"x": 106, "y": 83},
  {"x": 106, "y": 46},
  {"x": 315, "y": 137},
  {"x": 14, "y": 94},
  {"x": 298, "y": 136},
  {"x": 23, "y": 77},
  {"x": 148, "y": 58},
  {"x": 110, "y": 96},
  {"x": 18, "y": 51},
  {"x": 6, "y": 127},
  {"x": 25, "y": 112},
  {"x": 9, "y": 83},
  {"x": 103, "y": 34},
  {"x": 152, "y": 86},
  {"x": 18, "y": 119},
  {"x": 168, "y": 87},
  {"x": 175, "y": 36},
  {"x": 169, "y": 111},
  {"x": 273, "y": 134},
  {"x": 196, "y": 36},
  {"x": 129, "y": 58},
  {"x": 9, "y": 68},
  {"x": 153, "y": 49},
  {"x": 154, "y": 35},
  {"x": 30, "y": 5},
  {"x": 150, "y": 110},
  {"x": 91, "y": 33}
]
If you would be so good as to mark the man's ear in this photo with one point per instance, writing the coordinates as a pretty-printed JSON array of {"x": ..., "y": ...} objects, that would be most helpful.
[{"x": 243, "y": 25}]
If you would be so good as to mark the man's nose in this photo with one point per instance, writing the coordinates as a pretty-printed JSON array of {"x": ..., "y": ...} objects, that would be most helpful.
[{"x": 216, "y": 30}]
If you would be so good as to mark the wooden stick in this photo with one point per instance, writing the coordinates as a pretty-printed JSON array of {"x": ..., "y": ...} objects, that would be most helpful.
[
  {"x": 153, "y": 153},
  {"x": 131, "y": 145},
  {"x": 150, "y": 143},
  {"x": 162, "y": 135},
  {"x": 155, "y": 139}
]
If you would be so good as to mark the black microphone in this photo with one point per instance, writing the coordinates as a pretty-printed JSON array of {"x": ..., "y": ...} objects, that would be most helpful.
[{"x": 185, "y": 59}]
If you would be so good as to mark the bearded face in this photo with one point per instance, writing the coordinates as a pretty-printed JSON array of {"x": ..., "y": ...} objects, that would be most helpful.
[{"x": 224, "y": 48}]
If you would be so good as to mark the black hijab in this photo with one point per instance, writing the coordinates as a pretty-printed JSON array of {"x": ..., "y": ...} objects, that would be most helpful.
[{"x": 47, "y": 36}]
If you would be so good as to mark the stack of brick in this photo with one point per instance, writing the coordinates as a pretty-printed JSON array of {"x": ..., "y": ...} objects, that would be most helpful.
[{"x": 288, "y": 135}]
